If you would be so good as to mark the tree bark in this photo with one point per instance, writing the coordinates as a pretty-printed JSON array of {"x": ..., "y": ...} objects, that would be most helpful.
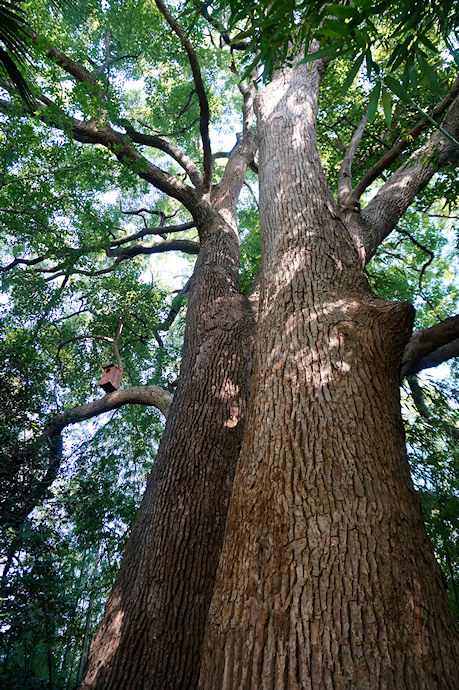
[
  {"x": 153, "y": 624},
  {"x": 327, "y": 578}
]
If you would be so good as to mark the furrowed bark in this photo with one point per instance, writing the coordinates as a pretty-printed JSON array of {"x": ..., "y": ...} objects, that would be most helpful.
[
  {"x": 327, "y": 578},
  {"x": 152, "y": 630}
]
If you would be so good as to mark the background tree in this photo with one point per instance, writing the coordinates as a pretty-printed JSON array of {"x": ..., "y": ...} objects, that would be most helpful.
[{"x": 89, "y": 126}]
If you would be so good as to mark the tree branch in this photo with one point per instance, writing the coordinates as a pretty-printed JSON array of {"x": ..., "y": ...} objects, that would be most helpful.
[
  {"x": 204, "y": 12},
  {"x": 396, "y": 195},
  {"x": 152, "y": 396},
  {"x": 25, "y": 262},
  {"x": 94, "y": 132},
  {"x": 173, "y": 151},
  {"x": 149, "y": 396},
  {"x": 226, "y": 193},
  {"x": 161, "y": 230},
  {"x": 186, "y": 246},
  {"x": 431, "y": 346},
  {"x": 175, "y": 308},
  {"x": 200, "y": 90},
  {"x": 422, "y": 408},
  {"x": 344, "y": 175},
  {"x": 20, "y": 510},
  {"x": 77, "y": 71},
  {"x": 115, "y": 341},
  {"x": 392, "y": 155}
]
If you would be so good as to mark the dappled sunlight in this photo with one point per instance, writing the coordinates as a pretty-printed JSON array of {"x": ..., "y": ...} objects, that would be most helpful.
[
  {"x": 312, "y": 352},
  {"x": 230, "y": 393}
]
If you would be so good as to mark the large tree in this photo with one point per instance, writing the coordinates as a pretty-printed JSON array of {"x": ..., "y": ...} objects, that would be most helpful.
[{"x": 327, "y": 577}]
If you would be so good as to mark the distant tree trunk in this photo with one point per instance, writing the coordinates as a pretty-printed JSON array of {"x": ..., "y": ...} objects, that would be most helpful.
[
  {"x": 153, "y": 626},
  {"x": 327, "y": 578}
]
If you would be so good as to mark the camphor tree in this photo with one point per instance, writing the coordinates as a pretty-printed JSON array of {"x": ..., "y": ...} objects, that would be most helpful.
[{"x": 326, "y": 576}]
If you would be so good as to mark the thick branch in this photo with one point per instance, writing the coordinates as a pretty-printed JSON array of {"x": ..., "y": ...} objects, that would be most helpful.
[
  {"x": 129, "y": 156},
  {"x": 431, "y": 346},
  {"x": 162, "y": 230},
  {"x": 173, "y": 151},
  {"x": 25, "y": 262},
  {"x": 226, "y": 193},
  {"x": 21, "y": 509},
  {"x": 77, "y": 71},
  {"x": 94, "y": 133},
  {"x": 82, "y": 75},
  {"x": 396, "y": 195},
  {"x": 150, "y": 396},
  {"x": 186, "y": 246},
  {"x": 392, "y": 155},
  {"x": 438, "y": 356},
  {"x": 200, "y": 90}
]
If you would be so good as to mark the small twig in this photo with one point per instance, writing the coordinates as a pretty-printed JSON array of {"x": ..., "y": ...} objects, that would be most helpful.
[
  {"x": 119, "y": 330},
  {"x": 37, "y": 210},
  {"x": 252, "y": 193},
  {"x": 441, "y": 215},
  {"x": 428, "y": 262}
]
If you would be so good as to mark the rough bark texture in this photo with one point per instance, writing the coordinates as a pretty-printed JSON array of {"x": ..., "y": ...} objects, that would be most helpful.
[
  {"x": 152, "y": 630},
  {"x": 327, "y": 578}
]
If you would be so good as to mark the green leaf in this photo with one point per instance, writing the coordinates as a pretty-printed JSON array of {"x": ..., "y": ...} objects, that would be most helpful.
[
  {"x": 352, "y": 74},
  {"x": 396, "y": 87},
  {"x": 387, "y": 105},
  {"x": 342, "y": 12},
  {"x": 373, "y": 102},
  {"x": 427, "y": 43},
  {"x": 335, "y": 27},
  {"x": 330, "y": 50},
  {"x": 428, "y": 71}
]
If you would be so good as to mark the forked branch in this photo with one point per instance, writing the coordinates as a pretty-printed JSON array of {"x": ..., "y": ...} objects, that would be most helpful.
[
  {"x": 390, "y": 156},
  {"x": 200, "y": 90},
  {"x": 389, "y": 204}
]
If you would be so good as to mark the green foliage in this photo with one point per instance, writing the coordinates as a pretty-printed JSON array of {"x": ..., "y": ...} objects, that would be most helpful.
[
  {"x": 69, "y": 552},
  {"x": 418, "y": 265},
  {"x": 337, "y": 29},
  {"x": 62, "y": 206},
  {"x": 432, "y": 442},
  {"x": 250, "y": 248}
]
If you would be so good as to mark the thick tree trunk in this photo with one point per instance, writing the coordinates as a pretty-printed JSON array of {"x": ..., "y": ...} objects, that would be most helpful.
[
  {"x": 327, "y": 578},
  {"x": 152, "y": 630}
]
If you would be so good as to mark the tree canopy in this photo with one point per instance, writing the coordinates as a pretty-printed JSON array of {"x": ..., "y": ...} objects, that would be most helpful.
[{"x": 129, "y": 113}]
